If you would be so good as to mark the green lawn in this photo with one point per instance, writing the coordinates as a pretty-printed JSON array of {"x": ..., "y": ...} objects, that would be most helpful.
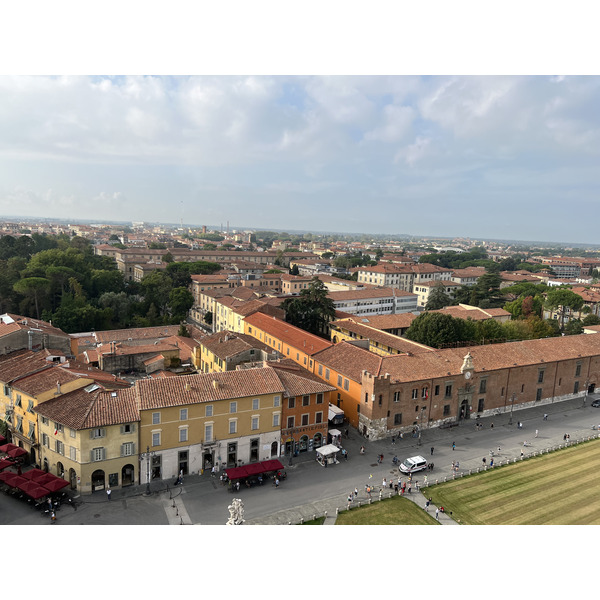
[
  {"x": 560, "y": 488},
  {"x": 392, "y": 511}
]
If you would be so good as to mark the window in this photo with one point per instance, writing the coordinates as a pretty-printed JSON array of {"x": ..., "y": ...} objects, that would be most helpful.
[
  {"x": 209, "y": 411},
  {"x": 254, "y": 425},
  {"x": 99, "y": 432},
  {"x": 319, "y": 417},
  {"x": 31, "y": 433},
  {"x": 424, "y": 392},
  {"x": 275, "y": 419},
  {"x": 305, "y": 400},
  {"x": 540, "y": 376},
  {"x": 72, "y": 433},
  {"x": 319, "y": 398},
  {"x": 366, "y": 397},
  {"x": 415, "y": 393},
  {"x": 304, "y": 420},
  {"x": 446, "y": 410},
  {"x": 156, "y": 438},
  {"x": 255, "y": 403},
  {"x": 380, "y": 399},
  {"x": 58, "y": 428},
  {"x": 276, "y": 401},
  {"x": 578, "y": 370},
  {"x": 576, "y": 387},
  {"x": 45, "y": 440},
  {"x": 18, "y": 401},
  {"x": 291, "y": 402},
  {"x": 327, "y": 374},
  {"x": 398, "y": 419},
  {"x": 538, "y": 394},
  {"x": 290, "y": 422},
  {"x": 448, "y": 391},
  {"x": 183, "y": 414},
  {"x": 346, "y": 384},
  {"x": 480, "y": 405},
  {"x": 98, "y": 454},
  {"x": 397, "y": 396},
  {"x": 73, "y": 453},
  {"x": 437, "y": 390},
  {"x": 233, "y": 407},
  {"x": 156, "y": 418},
  {"x": 183, "y": 434},
  {"x": 127, "y": 449},
  {"x": 45, "y": 421},
  {"x": 339, "y": 381},
  {"x": 208, "y": 429},
  {"x": 233, "y": 426},
  {"x": 127, "y": 428},
  {"x": 30, "y": 406},
  {"x": 482, "y": 386},
  {"x": 320, "y": 371}
]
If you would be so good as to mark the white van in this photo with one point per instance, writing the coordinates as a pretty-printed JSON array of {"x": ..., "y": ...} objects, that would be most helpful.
[{"x": 413, "y": 464}]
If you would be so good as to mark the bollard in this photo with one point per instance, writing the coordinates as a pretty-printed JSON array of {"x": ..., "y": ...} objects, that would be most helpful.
[
  {"x": 289, "y": 522},
  {"x": 436, "y": 482},
  {"x": 337, "y": 510},
  {"x": 514, "y": 460},
  {"x": 369, "y": 500},
  {"x": 314, "y": 517},
  {"x": 470, "y": 472},
  {"x": 301, "y": 520},
  {"x": 445, "y": 479},
  {"x": 359, "y": 503},
  {"x": 325, "y": 514}
]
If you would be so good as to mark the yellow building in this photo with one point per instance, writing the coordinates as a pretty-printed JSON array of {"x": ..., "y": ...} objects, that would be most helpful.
[
  {"x": 90, "y": 438},
  {"x": 195, "y": 422}
]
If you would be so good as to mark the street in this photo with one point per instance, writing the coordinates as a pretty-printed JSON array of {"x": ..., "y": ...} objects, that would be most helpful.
[{"x": 202, "y": 500}]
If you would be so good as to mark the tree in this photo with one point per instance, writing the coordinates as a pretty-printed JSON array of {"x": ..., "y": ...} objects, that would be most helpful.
[
  {"x": 574, "y": 327},
  {"x": 33, "y": 288},
  {"x": 437, "y": 298},
  {"x": 294, "y": 270},
  {"x": 180, "y": 301},
  {"x": 434, "y": 329},
  {"x": 563, "y": 300},
  {"x": 312, "y": 309},
  {"x": 591, "y": 320},
  {"x": 168, "y": 257}
]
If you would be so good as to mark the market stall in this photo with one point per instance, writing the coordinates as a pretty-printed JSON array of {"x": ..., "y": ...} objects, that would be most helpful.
[{"x": 327, "y": 455}]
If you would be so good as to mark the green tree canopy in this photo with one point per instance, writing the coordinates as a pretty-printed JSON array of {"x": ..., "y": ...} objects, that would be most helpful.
[
  {"x": 437, "y": 298},
  {"x": 312, "y": 309}
]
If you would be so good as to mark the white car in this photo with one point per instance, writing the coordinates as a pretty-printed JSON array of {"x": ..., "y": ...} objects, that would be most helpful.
[{"x": 413, "y": 464}]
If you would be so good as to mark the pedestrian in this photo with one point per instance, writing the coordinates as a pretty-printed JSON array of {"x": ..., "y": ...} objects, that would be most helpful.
[
  {"x": 409, "y": 486},
  {"x": 499, "y": 449},
  {"x": 347, "y": 433},
  {"x": 401, "y": 435},
  {"x": 491, "y": 426},
  {"x": 483, "y": 461},
  {"x": 536, "y": 433},
  {"x": 213, "y": 472},
  {"x": 453, "y": 445},
  {"x": 545, "y": 416},
  {"x": 522, "y": 453},
  {"x": 425, "y": 479},
  {"x": 437, "y": 514},
  {"x": 491, "y": 462},
  {"x": 432, "y": 466},
  {"x": 393, "y": 441},
  {"x": 53, "y": 517},
  {"x": 396, "y": 487},
  {"x": 108, "y": 492},
  {"x": 345, "y": 454},
  {"x": 427, "y": 504},
  {"x": 383, "y": 483},
  {"x": 276, "y": 483},
  {"x": 519, "y": 425},
  {"x": 432, "y": 449},
  {"x": 453, "y": 463},
  {"x": 355, "y": 492},
  {"x": 349, "y": 498},
  {"x": 565, "y": 437},
  {"x": 325, "y": 461},
  {"x": 417, "y": 485}
]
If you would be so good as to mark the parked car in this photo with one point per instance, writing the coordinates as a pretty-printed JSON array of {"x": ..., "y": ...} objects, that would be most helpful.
[{"x": 596, "y": 403}]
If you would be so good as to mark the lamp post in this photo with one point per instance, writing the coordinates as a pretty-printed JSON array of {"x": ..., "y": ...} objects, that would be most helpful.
[
  {"x": 147, "y": 455},
  {"x": 512, "y": 404},
  {"x": 291, "y": 449},
  {"x": 423, "y": 409},
  {"x": 587, "y": 383}
]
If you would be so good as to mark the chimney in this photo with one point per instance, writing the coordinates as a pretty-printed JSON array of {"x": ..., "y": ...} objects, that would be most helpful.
[
  {"x": 187, "y": 387},
  {"x": 58, "y": 388},
  {"x": 215, "y": 384}
]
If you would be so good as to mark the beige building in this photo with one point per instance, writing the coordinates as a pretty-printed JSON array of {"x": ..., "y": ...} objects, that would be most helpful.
[{"x": 90, "y": 438}]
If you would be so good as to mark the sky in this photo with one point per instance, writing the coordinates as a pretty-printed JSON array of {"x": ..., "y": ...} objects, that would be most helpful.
[{"x": 501, "y": 156}]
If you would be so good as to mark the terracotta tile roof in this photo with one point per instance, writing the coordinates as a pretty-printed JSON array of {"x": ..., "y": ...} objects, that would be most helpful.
[
  {"x": 136, "y": 333},
  {"x": 83, "y": 409},
  {"x": 225, "y": 344},
  {"x": 125, "y": 350},
  {"x": 10, "y": 323},
  {"x": 45, "y": 380},
  {"x": 162, "y": 374},
  {"x": 440, "y": 282},
  {"x": 153, "y": 359},
  {"x": 373, "y": 292},
  {"x": 385, "y": 339},
  {"x": 293, "y": 336},
  {"x": 194, "y": 389},
  {"x": 298, "y": 381},
  {"x": 24, "y": 362},
  {"x": 349, "y": 360},
  {"x": 473, "y": 313},
  {"x": 397, "y": 321}
]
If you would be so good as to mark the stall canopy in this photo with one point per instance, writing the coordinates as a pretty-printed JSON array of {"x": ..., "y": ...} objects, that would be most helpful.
[
  {"x": 328, "y": 450},
  {"x": 55, "y": 484},
  {"x": 32, "y": 489},
  {"x": 253, "y": 469},
  {"x": 33, "y": 473},
  {"x": 12, "y": 479},
  {"x": 5, "y": 463},
  {"x": 6, "y": 447},
  {"x": 16, "y": 452}
]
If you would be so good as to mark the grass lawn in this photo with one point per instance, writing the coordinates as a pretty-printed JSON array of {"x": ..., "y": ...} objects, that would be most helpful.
[
  {"x": 392, "y": 511},
  {"x": 560, "y": 488}
]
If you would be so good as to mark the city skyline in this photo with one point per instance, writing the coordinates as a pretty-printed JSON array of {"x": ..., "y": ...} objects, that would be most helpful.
[{"x": 493, "y": 157}]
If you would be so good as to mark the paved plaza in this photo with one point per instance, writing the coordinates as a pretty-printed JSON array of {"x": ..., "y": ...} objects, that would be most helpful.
[{"x": 312, "y": 490}]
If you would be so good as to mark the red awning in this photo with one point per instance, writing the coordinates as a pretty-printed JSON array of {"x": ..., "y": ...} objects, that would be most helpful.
[
  {"x": 6, "y": 447},
  {"x": 55, "y": 484},
  {"x": 33, "y": 473},
  {"x": 16, "y": 452},
  {"x": 254, "y": 468},
  {"x": 12, "y": 479},
  {"x": 271, "y": 465},
  {"x": 34, "y": 490},
  {"x": 43, "y": 478},
  {"x": 236, "y": 473},
  {"x": 5, "y": 463}
]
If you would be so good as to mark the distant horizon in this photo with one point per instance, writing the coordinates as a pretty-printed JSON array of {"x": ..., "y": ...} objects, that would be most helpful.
[{"x": 128, "y": 223}]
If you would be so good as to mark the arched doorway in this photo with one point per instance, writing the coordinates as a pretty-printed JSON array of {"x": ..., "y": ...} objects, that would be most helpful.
[
  {"x": 73, "y": 479},
  {"x": 32, "y": 454},
  {"x": 98, "y": 480},
  {"x": 303, "y": 446},
  {"x": 464, "y": 412},
  {"x": 317, "y": 440},
  {"x": 127, "y": 475},
  {"x": 274, "y": 449},
  {"x": 60, "y": 470},
  {"x": 46, "y": 466}
]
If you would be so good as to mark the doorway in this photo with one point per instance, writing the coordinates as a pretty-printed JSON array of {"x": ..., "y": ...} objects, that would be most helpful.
[
  {"x": 98, "y": 482},
  {"x": 464, "y": 410},
  {"x": 232, "y": 454},
  {"x": 183, "y": 462},
  {"x": 127, "y": 475}
]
